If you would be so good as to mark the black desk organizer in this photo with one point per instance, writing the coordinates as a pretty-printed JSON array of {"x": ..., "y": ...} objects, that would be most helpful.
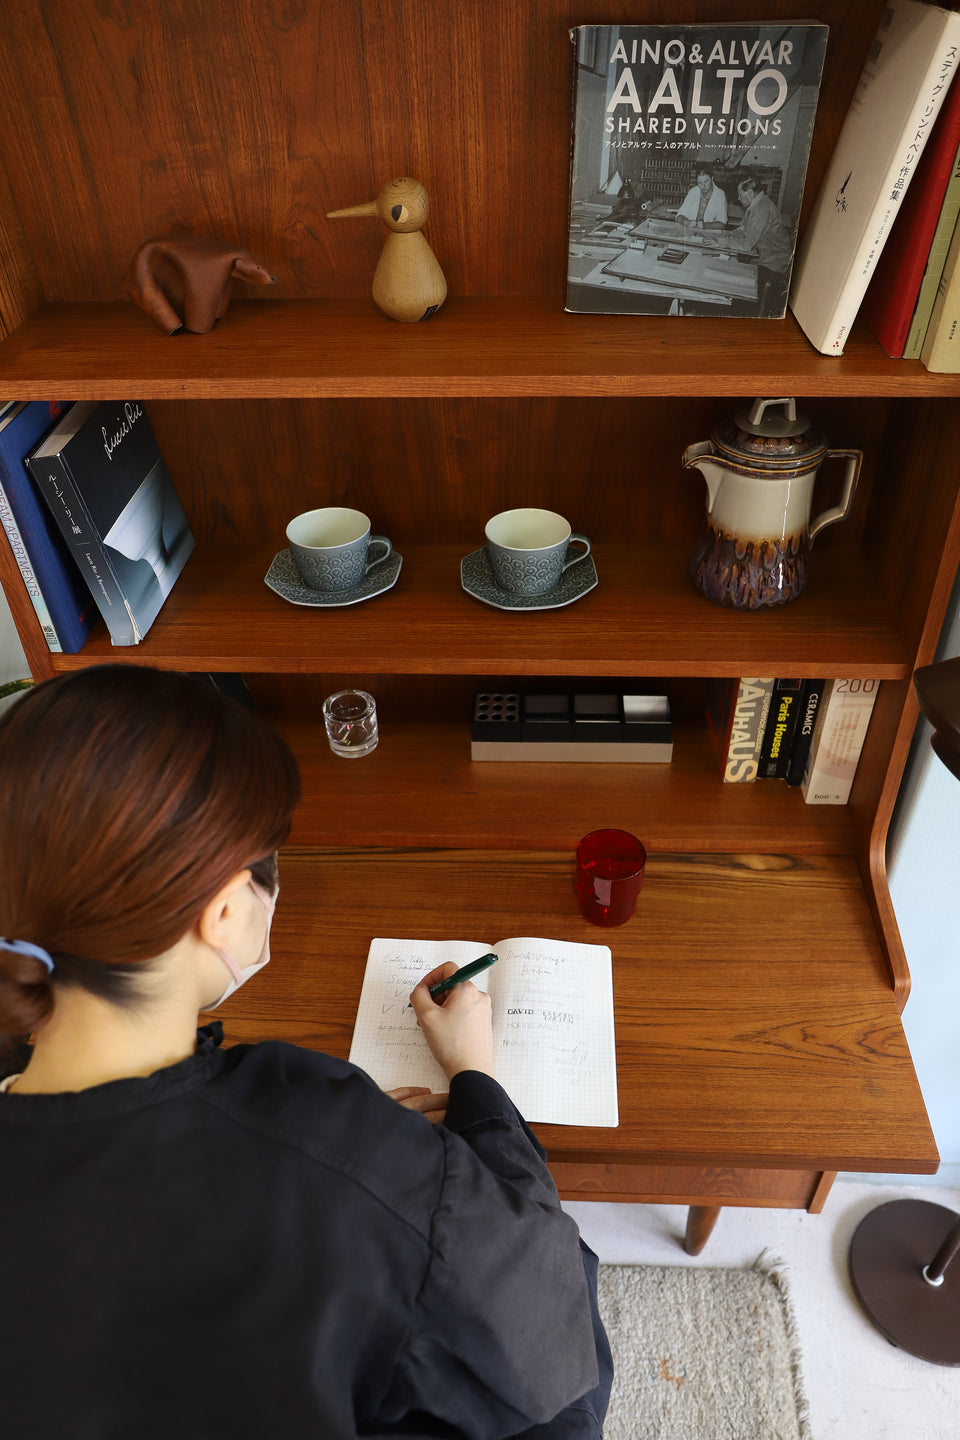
[{"x": 566, "y": 726}]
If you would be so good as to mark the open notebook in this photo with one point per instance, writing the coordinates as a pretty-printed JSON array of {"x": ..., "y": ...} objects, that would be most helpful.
[{"x": 553, "y": 1035}]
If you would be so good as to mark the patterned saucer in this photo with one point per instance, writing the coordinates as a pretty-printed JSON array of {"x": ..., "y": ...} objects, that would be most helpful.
[
  {"x": 283, "y": 578},
  {"x": 476, "y": 577}
]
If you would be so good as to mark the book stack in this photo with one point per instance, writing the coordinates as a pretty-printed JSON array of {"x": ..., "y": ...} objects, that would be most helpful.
[
  {"x": 809, "y": 733},
  {"x": 880, "y": 240}
]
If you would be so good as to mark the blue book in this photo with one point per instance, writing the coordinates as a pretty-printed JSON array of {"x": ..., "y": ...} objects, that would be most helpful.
[{"x": 64, "y": 606}]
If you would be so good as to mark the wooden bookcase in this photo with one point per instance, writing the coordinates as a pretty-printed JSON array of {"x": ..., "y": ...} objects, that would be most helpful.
[{"x": 250, "y": 122}]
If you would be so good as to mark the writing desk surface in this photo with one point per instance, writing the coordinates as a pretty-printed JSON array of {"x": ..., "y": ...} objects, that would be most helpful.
[{"x": 755, "y": 1022}]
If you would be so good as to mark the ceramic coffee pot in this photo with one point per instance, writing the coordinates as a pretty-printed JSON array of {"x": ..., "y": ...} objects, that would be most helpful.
[{"x": 760, "y": 467}]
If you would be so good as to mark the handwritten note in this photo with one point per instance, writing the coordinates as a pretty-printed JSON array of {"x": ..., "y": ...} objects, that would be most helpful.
[{"x": 553, "y": 1031}]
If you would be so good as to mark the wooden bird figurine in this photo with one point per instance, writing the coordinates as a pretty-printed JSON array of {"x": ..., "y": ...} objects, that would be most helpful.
[{"x": 408, "y": 283}]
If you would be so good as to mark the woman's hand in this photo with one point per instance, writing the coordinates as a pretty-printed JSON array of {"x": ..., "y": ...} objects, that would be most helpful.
[
  {"x": 420, "y": 1097},
  {"x": 457, "y": 1026}
]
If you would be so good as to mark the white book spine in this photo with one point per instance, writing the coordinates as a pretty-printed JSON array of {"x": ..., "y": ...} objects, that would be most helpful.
[
  {"x": 900, "y": 92},
  {"x": 838, "y": 736},
  {"x": 12, "y": 530}
]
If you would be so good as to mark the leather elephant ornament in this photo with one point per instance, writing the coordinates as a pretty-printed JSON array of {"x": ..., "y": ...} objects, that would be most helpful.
[{"x": 184, "y": 281}]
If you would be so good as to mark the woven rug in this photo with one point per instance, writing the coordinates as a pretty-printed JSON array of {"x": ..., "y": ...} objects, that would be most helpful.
[{"x": 701, "y": 1354}]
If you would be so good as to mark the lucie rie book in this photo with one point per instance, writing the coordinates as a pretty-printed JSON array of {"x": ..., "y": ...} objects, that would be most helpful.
[
  {"x": 910, "y": 67},
  {"x": 690, "y": 147},
  {"x": 101, "y": 472},
  {"x": 553, "y": 1035}
]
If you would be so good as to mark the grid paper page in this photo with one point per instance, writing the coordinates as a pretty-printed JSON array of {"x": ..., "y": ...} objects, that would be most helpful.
[
  {"x": 387, "y": 1041},
  {"x": 553, "y": 1031},
  {"x": 553, "y": 1036}
]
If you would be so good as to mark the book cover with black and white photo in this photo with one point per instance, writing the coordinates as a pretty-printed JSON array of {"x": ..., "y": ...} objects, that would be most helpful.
[
  {"x": 690, "y": 148},
  {"x": 103, "y": 475}
]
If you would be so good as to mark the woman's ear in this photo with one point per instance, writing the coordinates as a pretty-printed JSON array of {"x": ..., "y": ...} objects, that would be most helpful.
[{"x": 216, "y": 922}]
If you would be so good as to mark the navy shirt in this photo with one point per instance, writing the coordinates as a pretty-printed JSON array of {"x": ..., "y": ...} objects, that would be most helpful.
[{"x": 257, "y": 1242}]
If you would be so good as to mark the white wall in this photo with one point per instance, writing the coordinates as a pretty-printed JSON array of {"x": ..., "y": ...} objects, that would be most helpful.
[{"x": 923, "y": 859}]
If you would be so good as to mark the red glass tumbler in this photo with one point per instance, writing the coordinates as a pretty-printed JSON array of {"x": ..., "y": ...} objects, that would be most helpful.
[{"x": 610, "y": 866}]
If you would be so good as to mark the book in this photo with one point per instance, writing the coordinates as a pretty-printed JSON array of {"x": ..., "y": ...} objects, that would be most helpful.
[
  {"x": 894, "y": 288},
  {"x": 936, "y": 259},
  {"x": 101, "y": 472},
  {"x": 736, "y": 716},
  {"x": 552, "y": 1011},
  {"x": 904, "y": 82},
  {"x": 779, "y": 730},
  {"x": 689, "y": 156},
  {"x": 807, "y": 708},
  {"x": 941, "y": 344},
  {"x": 63, "y": 605},
  {"x": 841, "y": 726}
]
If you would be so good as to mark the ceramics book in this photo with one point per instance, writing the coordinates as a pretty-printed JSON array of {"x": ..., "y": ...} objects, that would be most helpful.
[
  {"x": 101, "y": 472},
  {"x": 690, "y": 148}
]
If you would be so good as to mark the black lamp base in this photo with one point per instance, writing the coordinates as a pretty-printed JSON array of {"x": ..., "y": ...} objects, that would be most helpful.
[{"x": 889, "y": 1252}]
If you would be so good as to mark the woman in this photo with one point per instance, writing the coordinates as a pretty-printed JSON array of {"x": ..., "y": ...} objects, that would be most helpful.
[{"x": 204, "y": 1243}]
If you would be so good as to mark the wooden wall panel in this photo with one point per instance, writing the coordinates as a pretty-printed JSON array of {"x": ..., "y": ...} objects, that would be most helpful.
[
  {"x": 436, "y": 470},
  {"x": 142, "y": 118}
]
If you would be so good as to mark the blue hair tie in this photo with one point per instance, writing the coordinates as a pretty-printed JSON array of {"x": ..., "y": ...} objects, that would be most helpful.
[{"x": 26, "y": 947}]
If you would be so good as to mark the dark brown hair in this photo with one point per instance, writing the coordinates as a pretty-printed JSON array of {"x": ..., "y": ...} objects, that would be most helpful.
[{"x": 128, "y": 797}]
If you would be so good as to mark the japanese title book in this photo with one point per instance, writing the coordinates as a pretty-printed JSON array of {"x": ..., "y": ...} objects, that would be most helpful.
[
  {"x": 909, "y": 69},
  {"x": 552, "y": 1010},
  {"x": 941, "y": 343},
  {"x": 689, "y": 156},
  {"x": 898, "y": 276},
  {"x": 101, "y": 472},
  {"x": 63, "y": 605},
  {"x": 936, "y": 259}
]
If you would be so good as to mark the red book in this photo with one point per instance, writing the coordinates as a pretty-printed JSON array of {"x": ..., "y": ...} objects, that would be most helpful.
[{"x": 891, "y": 296}]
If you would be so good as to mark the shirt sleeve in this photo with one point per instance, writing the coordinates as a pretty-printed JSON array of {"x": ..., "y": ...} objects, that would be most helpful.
[
  {"x": 502, "y": 1336},
  {"x": 691, "y": 204}
]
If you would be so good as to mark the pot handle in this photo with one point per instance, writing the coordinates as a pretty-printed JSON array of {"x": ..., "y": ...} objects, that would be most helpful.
[{"x": 854, "y": 459}]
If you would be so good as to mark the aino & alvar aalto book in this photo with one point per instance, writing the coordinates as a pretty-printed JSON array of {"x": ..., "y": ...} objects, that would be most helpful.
[{"x": 690, "y": 147}]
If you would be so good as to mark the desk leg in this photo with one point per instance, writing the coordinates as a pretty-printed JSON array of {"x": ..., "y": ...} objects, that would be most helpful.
[{"x": 700, "y": 1222}]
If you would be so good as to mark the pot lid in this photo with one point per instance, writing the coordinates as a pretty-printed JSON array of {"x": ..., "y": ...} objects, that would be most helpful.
[{"x": 771, "y": 433}]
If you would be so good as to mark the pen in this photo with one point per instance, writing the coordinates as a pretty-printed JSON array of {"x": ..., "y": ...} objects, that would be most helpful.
[{"x": 466, "y": 972}]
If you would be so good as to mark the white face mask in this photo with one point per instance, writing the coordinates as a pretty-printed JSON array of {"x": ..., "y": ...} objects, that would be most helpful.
[{"x": 240, "y": 976}]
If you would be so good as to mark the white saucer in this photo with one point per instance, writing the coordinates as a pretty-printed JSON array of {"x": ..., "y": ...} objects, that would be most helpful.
[
  {"x": 476, "y": 577},
  {"x": 283, "y": 578}
]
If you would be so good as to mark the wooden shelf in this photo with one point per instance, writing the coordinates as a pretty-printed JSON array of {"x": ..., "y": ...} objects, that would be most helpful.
[
  {"x": 757, "y": 992},
  {"x": 643, "y": 618},
  {"x": 420, "y": 788},
  {"x": 741, "y": 1035},
  {"x": 476, "y": 347}
]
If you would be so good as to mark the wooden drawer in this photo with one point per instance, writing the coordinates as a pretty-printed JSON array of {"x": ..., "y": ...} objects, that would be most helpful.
[{"x": 694, "y": 1185}]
